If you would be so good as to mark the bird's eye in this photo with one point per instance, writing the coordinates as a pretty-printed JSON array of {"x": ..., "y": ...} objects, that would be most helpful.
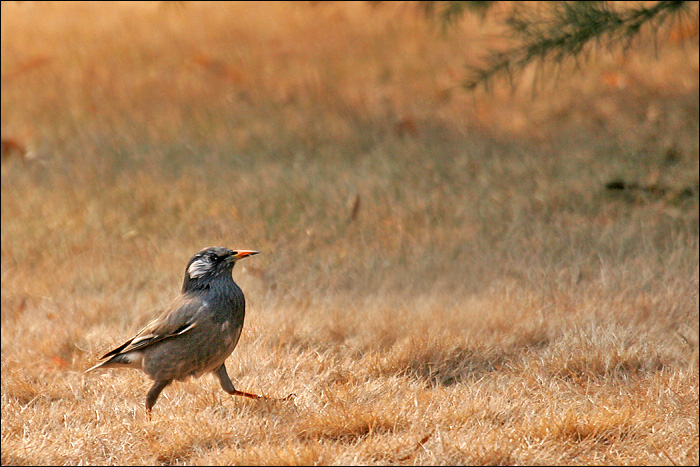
[{"x": 213, "y": 258}]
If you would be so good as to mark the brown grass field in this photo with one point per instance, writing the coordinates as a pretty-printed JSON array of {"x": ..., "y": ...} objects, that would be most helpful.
[{"x": 444, "y": 277}]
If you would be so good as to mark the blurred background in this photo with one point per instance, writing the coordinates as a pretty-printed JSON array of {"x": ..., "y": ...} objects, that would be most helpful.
[
  {"x": 400, "y": 166},
  {"x": 337, "y": 139}
]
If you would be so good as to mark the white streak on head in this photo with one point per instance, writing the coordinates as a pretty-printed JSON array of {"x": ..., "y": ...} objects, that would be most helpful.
[{"x": 199, "y": 267}]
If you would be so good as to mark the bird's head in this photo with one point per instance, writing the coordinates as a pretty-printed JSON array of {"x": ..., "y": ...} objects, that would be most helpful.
[{"x": 210, "y": 264}]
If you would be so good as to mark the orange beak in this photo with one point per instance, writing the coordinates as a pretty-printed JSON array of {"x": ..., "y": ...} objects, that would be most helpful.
[{"x": 239, "y": 254}]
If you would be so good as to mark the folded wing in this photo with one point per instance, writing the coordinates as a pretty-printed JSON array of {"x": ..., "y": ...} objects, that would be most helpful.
[{"x": 179, "y": 318}]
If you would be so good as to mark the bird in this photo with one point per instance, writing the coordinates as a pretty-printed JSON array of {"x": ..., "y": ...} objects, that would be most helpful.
[{"x": 196, "y": 333}]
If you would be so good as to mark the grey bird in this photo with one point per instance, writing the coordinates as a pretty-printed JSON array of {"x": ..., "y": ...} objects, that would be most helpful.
[{"x": 196, "y": 333}]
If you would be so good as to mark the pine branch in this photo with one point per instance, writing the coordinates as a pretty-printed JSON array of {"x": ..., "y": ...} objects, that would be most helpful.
[{"x": 566, "y": 31}]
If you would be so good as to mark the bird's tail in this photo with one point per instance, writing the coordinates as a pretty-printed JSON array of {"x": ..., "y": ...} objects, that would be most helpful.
[
  {"x": 95, "y": 367},
  {"x": 129, "y": 359}
]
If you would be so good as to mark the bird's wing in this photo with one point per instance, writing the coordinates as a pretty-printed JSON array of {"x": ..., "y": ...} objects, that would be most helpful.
[{"x": 179, "y": 318}]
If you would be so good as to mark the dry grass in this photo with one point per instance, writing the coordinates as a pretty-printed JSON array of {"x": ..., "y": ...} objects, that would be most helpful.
[{"x": 444, "y": 278}]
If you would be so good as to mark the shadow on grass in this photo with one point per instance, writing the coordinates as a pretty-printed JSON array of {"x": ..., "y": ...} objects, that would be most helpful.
[{"x": 440, "y": 364}]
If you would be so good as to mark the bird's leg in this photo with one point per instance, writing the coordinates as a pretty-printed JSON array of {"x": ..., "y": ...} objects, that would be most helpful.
[
  {"x": 154, "y": 392},
  {"x": 227, "y": 385}
]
